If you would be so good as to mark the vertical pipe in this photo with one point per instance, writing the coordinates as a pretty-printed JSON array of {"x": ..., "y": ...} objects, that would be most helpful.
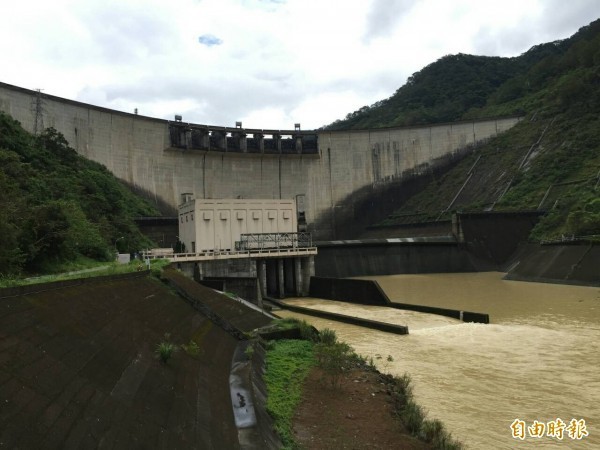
[
  {"x": 259, "y": 296},
  {"x": 271, "y": 269},
  {"x": 262, "y": 276},
  {"x": 280, "y": 278},
  {"x": 298, "y": 277},
  {"x": 288, "y": 266},
  {"x": 308, "y": 270}
]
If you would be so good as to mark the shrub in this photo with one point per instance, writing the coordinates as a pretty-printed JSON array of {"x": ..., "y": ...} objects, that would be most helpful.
[
  {"x": 404, "y": 387},
  {"x": 249, "y": 351},
  {"x": 371, "y": 363},
  {"x": 334, "y": 359},
  {"x": 431, "y": 430},
  {"x": 327, "y": 336},
  {"x": 157, "y": 266},
  {"x": 412, "y": 416},
  {"x": 307, "y": 331}
]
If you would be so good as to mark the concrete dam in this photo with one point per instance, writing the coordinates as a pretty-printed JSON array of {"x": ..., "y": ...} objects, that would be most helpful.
[{"x": 328, "y": 172}]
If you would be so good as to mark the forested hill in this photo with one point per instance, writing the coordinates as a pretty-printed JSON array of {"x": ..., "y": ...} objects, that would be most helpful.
[
  {"x": 463, "y": 86},
  {"x": 56, "y": 206}
]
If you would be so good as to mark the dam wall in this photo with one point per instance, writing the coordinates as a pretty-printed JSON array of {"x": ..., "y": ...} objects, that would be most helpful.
[{"x": 151, "y": 155}]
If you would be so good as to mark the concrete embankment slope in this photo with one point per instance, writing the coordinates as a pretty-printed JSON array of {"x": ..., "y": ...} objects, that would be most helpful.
[
  {"x": 233, "y": 315},
  {"x": 567, "y": 264},
  {"x": 78, "y": 369}
]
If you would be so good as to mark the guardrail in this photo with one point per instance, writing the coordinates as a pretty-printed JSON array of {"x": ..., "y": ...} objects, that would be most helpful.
[
  {"x": 570, "y": 239},
  {"x": 216, "y": 254},
  {"x": 255, "y": 241}
]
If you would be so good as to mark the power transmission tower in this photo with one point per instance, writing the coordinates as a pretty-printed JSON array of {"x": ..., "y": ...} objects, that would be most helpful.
[{"x": 37, "y": 107}]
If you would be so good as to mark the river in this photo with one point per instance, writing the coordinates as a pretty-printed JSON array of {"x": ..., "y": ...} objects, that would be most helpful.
[{"x": 538, "y": 359}]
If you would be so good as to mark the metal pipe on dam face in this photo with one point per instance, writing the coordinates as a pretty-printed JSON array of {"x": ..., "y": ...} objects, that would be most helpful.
[{"x": 329, "y": 168}]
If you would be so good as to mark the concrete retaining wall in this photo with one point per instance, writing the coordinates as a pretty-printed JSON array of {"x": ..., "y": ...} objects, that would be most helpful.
[
  {"x": 372, "y": 324},
  {"x": 366, "y": 292},
  {"x": 234, "y": 317},
  {"x": 346, "y": 260},
  {"x": 137, "y": 150},
  {"x": 421, "y": 229},
  {"x": 246, "y": 288},
  {"x": 464, "y": 316}
]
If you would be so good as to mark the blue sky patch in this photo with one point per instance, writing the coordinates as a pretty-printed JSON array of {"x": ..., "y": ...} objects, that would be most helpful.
[{"x": 209, "y": 40}]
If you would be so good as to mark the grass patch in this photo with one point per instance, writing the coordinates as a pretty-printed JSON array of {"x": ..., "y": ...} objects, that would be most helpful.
[
  {"x": 157, "y": 266},
  {"x": 165, "y": 349},
  {"x": 415, "y": 419},
  {"x": 288, "y": 363},
  {"x": 191, "y": 348},
  {"x": 93, "y": 269},
  {"x": 287, "y": 323},
  {"x": 81, "y": 263}
]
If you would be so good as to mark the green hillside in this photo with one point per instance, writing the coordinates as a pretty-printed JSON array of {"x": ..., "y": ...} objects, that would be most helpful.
[
  {"x": 56, "y": 206},
  {"x": 463, "y": 86},
  {"x": 551, "y": 164},
  {"x": 549, "y": 161}
]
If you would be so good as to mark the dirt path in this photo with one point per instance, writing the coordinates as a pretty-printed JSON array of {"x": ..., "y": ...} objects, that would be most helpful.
[{"x": 357, "y": 415}]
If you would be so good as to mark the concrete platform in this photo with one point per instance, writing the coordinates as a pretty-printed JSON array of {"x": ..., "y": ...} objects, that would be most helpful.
[{"x": 225, "y": 254}]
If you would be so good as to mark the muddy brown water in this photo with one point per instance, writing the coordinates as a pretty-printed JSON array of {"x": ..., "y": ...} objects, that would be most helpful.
[{"x": 538, "y": 359}]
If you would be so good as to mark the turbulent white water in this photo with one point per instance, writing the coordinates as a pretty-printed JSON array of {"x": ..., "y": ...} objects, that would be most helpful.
[{"x": 539, "y": 359}]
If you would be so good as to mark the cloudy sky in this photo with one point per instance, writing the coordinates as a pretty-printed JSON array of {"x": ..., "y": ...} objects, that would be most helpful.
[{"x": 268, "y": 63}]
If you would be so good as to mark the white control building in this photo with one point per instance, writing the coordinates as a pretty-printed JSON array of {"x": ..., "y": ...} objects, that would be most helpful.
[
  {"x": 249, "y": 246},
  {"x": 218, "y": 224}
]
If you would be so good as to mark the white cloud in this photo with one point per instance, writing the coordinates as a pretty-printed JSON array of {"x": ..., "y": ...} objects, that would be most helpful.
[
  {"x": 385, "y": 15},
  {"x": 277, "y": 62}
]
